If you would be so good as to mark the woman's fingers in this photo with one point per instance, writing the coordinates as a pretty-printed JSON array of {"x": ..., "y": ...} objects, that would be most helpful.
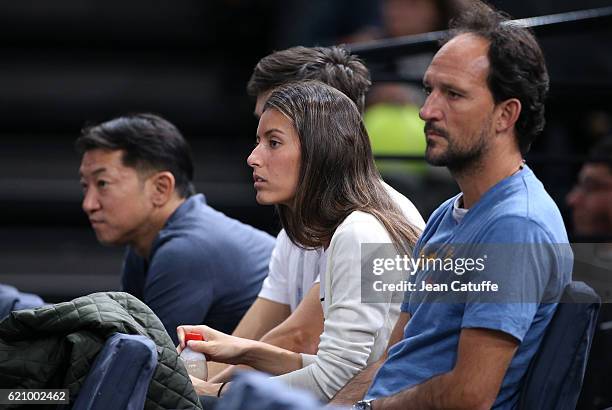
[
  {"x": 180, "y": 333},
  {"x": 203, "y": 347},
  {"x": 216, "y": 346},
  {"x": 184, "y": 329}
]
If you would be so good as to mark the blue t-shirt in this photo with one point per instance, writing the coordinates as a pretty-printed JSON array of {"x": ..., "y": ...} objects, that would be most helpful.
[
  {"x": 204, "y": 268},
  {"x": 520, "y": 226}
]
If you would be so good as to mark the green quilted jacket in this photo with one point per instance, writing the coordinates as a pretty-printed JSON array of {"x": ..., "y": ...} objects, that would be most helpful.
[{"x": 55, "y": 346}]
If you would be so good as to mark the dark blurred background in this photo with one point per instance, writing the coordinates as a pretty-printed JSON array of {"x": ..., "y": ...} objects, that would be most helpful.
[{"x": 69, "y": 62}]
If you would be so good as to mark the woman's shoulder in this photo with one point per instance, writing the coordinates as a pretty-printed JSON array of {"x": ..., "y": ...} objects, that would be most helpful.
[
  {"x": 361, "y": 227},
  {"x": 359, "y": 217}
]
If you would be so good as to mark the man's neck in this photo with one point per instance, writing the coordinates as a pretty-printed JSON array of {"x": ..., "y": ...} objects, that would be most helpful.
[
  {"x": 144, "y": 241},
  {"x": 476, "y": 180}
]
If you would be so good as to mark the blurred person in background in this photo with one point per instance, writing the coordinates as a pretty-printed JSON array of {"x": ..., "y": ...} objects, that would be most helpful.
[
  {"x": 322, "y": 22},
  {"x": 408, "y": 17},
  {"x": 591, "y": 204},
  {"x": 591, "y": 198},
  {"x": 188, "y": 262}
]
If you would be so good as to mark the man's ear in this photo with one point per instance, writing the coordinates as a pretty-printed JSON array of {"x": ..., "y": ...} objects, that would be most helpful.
[
  {"x": 162, "y": 184},
  {"x": 507, "y": 115}
]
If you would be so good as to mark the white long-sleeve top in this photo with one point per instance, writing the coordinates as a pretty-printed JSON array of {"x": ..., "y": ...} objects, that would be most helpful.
[{"x": 355, "y": 333}]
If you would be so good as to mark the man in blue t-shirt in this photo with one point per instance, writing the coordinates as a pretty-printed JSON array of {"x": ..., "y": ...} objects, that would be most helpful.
[
  {"x": 455, "y": 349},
  {"x": 189, "y": 263}
]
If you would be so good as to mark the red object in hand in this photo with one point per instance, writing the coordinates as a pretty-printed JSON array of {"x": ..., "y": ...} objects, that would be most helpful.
[{"x": 193, "y": 336}]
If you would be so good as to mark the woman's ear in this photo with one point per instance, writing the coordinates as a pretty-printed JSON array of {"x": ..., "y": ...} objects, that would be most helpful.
[
  {"x": 163, "y": 184},
  {"x": 508, "y": 114}
]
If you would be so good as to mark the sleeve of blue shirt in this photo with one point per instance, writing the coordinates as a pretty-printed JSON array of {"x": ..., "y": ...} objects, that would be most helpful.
[
  {"x": 178, "y": 286},
  {"x": 521, "y": 260}
]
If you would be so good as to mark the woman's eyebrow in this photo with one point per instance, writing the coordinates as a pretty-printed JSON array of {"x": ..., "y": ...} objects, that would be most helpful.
[{"x": 271, "y": 130}]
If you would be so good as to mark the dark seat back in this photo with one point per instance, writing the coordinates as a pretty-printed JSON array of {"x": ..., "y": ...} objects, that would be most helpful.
[
  {"x": 555, "y": 375},
  {"x": 120, "y": 376}
]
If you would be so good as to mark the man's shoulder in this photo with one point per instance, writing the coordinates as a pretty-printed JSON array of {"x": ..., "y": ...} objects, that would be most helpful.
[
  {"x": 181, "y": 246},
  {"x": 528, "y": 206},
  {"x": 519, "y": 225},
  {"x": 432, "y": 228},
  {"x": 195, "y": 213},
  {"x": 202, "y": 224},
  {"x": 437, "y": 215},
  {"x": 199, "y": 235}
]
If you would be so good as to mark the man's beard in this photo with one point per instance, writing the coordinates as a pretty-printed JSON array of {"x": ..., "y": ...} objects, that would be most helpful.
[{"x": 456, "y": 158}]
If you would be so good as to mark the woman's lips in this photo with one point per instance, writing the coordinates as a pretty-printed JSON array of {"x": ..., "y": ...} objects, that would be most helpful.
[{"x": 258, "y": 181}]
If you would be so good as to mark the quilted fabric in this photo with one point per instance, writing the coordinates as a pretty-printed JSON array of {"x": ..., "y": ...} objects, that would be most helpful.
[{"x": 55, "y": 346}]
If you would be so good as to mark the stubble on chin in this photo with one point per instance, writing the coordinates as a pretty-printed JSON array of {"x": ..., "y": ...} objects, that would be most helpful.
[{"x": 437, "y": 159}]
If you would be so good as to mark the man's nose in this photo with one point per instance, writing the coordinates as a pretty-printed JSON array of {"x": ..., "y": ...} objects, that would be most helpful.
[
  {"x": 90, "y": 202},
  {"x": 430, "y": 111}
]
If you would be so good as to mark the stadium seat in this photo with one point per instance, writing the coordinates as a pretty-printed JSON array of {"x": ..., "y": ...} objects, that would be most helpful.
[{"x": 555, "y": 375}]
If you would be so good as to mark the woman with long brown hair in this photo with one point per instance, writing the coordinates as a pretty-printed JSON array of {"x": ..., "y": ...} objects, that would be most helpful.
[{"x": 313, "y": 161}]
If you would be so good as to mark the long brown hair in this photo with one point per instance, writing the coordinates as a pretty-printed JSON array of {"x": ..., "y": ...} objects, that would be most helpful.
[{"x": 337, "y": 173}]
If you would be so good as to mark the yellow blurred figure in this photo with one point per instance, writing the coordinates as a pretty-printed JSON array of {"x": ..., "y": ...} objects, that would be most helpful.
[{"x": 396, "y": 130}]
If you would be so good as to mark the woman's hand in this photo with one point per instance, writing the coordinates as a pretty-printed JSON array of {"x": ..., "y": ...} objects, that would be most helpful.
[
  {"x": 217, "y": 346},
  {"x": 204, "y": 388}
]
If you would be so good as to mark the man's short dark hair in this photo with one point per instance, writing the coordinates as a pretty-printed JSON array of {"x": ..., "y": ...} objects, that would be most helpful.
[
  {"x": 149, "y": 143},
  {"x": 334, "y": 66},
  {"x": 517, "y": 66}
]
